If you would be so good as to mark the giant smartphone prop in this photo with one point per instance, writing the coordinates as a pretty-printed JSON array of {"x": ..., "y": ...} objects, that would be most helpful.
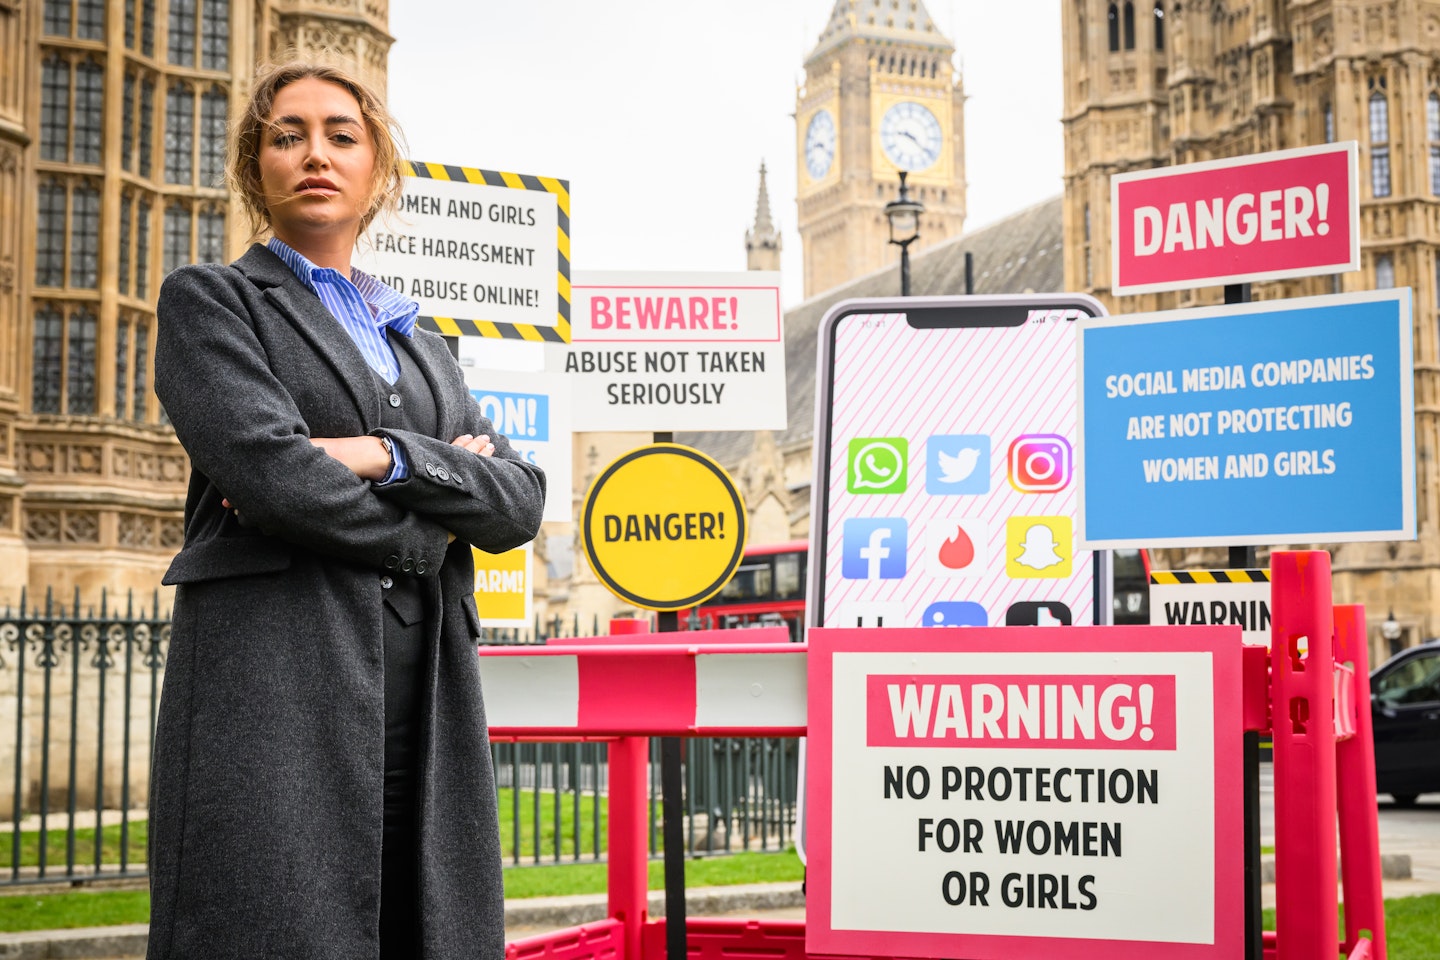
[{"x": 945, "y": 487}]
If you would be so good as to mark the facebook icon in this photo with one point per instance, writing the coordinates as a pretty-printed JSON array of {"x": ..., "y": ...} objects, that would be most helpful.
[{"x": 874, "y": 549}]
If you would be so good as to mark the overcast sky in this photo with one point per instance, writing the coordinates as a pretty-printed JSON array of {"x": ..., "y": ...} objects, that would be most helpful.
[{"x": 659, "y": 112}]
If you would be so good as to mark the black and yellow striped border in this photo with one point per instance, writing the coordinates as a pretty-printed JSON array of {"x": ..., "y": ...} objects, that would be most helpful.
[
  {"x": 461, "y": 327},
  {"x": 1209, "y": 576}
]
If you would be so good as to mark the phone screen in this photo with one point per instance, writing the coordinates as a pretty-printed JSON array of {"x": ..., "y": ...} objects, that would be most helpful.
[{"x": 947, "y": 435}]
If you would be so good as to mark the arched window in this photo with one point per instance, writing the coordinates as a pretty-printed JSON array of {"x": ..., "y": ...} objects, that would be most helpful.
[
  {"x": 180, "y": 135},
  {"x": 89, "y": 110},
  {"x": 1080, "y": 19},
  {"x": 177, "y": 250},
  {"x": 1329, "y": 123},
  {"x": 1432, "y": 133},
  {"x": 1113, "y": 15},
  {"x": 47, "y": 353},
  {"x": 1129, "y": 25},
  {"x": 55, "y": 109},
  {"x": 1384, "y": 271},
  {"x": 1160, "y": 26},
  {"x": 1379, "y": 145},
  {"x": 215, "y": 35},
  {"x": 213, "y": 123},
  {"x": 80, "y": 362},
  {"x": 182, "y": 32}
]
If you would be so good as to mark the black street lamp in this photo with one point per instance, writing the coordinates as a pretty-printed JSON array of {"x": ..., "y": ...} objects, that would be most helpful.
[{"x": 904, "y": 217}]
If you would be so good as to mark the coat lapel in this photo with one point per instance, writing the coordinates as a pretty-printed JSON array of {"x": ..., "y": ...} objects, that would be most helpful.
[{"x": 304, "y": 310}]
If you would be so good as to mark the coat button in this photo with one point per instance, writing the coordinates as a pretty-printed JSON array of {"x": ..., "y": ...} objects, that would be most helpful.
[
  {"x": 391, "y": 562},
  {"x": 457, "y": 479},
  {"x": 407, "y": 566},
  {"x": 430, "y": 469},
  {"x": 386, "y": 583},
  {"x": 420, "y": 568},
  {"x": 442, "y": 473},
  {"x": 394, "y": 399}
]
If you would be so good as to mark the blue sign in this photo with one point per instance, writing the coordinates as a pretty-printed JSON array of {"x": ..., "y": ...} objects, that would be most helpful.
[
  {"x": 519, "y": 416},
  {"x": 1285, "y": 421}
]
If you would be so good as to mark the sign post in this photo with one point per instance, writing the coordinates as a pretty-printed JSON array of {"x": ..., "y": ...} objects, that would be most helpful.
[{"x": 664, "y": 528}]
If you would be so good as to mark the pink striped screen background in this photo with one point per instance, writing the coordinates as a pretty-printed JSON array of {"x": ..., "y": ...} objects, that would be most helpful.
[{"x": 892, "y": 380}]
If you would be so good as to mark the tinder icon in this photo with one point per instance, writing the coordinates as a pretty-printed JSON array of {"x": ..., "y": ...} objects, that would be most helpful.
[{"x": 957, "y": 547}]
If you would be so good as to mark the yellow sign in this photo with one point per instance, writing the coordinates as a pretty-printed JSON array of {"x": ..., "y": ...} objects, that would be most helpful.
[
  {"x": 663, "y": 527},
  {"x": 502, "y": 587}
]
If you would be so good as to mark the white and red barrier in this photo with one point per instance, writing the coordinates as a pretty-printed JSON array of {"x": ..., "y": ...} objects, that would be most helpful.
[{"x": 653, "y": 686}]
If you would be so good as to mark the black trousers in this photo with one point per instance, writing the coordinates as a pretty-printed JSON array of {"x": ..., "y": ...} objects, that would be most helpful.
[{"x": 404, "y": 676}]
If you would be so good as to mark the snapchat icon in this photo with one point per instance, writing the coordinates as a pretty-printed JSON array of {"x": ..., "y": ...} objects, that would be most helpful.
[{"x": 1038, "y": 547}]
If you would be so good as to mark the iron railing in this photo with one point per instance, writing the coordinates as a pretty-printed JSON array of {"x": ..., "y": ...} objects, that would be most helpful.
[
  {"x": 80, "y": 686},
  {"x": 83, "y": 688}
]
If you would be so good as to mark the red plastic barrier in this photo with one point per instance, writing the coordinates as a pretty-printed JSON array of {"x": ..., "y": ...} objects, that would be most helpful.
[
  {"x": 593, "y": 941},
  {"x": 1303, "y": 730},
  {"x": 1355, "y": 784}
]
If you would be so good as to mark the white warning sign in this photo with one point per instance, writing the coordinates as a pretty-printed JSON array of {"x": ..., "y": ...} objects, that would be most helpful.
[
  {"x": 1205, "y": 597},
  {"x": 677, "y": 351}
]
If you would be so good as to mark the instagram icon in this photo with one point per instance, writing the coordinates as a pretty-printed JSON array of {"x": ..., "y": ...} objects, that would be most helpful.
[{"x": 1040, "y": 463}]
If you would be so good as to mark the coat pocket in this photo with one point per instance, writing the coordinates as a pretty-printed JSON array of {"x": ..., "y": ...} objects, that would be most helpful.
[
  {"x": 225, "y": 557},
  {"x": 472, "y": 616}
]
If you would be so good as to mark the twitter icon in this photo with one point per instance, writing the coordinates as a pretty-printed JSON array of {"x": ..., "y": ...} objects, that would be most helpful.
[{"x": 957, "y": 463}]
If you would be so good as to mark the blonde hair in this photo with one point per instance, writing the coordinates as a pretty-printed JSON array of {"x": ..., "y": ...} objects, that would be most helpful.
[{"x": 243, "y": 174}]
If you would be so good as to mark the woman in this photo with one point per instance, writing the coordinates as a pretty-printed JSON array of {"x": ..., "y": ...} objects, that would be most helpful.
[{"x": 322, "y": 784}]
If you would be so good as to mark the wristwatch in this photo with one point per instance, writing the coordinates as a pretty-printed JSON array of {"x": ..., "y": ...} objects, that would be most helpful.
[{"x": 389, "y": 452}]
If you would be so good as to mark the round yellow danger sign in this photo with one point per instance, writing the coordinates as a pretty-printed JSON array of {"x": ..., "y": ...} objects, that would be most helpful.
[{"x": 663, "y": 527}]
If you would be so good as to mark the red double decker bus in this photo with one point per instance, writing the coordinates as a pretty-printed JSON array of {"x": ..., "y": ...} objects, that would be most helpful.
[{"x": 768, "y": 590}]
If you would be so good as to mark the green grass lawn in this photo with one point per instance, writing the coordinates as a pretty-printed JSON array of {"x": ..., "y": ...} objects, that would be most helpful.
[
  {"x": 110, "y": 836},
  {"x": 524, "y": 806},
  {"x": 85, "y": 908},
  {"x": 1412, "y": 927},
  {"x": 84, "y": 845}
]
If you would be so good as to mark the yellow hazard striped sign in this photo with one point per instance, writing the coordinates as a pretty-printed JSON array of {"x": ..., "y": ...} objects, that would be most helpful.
[
  {"x": 1209, "y": 576},
  {"x": 479, "y": 326}
]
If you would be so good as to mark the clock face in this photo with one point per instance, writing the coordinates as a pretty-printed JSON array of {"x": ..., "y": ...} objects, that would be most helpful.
[
  {"x": 910, "y": 136},
  {"x": 820, "y": 144}
]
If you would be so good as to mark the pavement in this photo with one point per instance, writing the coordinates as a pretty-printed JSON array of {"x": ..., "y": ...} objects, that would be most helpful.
[{"x": 1409, "y": 844}]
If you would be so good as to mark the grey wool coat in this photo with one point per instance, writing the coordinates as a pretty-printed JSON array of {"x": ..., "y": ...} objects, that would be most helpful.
[{"x": 267, "y": 786}]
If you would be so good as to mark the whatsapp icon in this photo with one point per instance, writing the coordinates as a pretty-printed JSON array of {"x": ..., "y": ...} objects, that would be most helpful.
[{"x": 877, "y": 465}]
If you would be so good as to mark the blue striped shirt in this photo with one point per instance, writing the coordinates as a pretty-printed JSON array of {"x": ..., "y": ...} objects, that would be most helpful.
[{"x": 366, "y": 309}]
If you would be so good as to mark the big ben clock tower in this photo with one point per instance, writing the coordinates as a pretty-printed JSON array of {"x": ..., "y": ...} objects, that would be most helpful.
[{"x": 880, "y": 96}]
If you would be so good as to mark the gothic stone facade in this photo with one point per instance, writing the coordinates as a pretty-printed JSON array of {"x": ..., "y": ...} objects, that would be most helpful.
[
  {"x": 113, "y": 123},
  {"x": 1158, "y": 82}
]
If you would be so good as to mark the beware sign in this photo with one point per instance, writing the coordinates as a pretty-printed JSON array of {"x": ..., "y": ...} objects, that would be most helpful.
[
  {"x": 1203, "y": 597},
  {"x": 678, "y": 351},
  {"x": 1290, "y": 213},
  {"x": 1025, "y": 795},
  {"x": 502, "y": 587},
  {"x": 663, "y": 527}
]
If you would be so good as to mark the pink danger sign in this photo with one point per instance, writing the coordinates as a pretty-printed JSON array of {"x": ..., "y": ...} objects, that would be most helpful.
[
  {"x": 1291, "y": 213},
  {"x": 1025, "y": 792}
]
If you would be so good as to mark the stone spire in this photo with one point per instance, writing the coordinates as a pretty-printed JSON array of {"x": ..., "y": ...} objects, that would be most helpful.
[
  {"x": 883, "y": 21},
  {"x": 762, "y": 242}
]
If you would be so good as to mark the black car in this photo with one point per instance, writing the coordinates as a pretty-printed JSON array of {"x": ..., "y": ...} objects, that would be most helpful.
[{"x": 1405, "y": 702}]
